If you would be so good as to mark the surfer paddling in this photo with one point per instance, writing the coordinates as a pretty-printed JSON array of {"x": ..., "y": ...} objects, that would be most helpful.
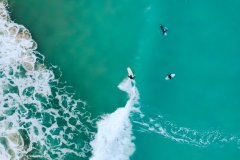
[
  {"x": 164, "y": 30},
  {"x": 170, "y": 76}
]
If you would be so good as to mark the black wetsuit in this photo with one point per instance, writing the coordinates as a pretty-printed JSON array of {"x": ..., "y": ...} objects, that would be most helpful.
[
  {"x": 163, "y": 29},
  {"x": 169, "y": 76}
]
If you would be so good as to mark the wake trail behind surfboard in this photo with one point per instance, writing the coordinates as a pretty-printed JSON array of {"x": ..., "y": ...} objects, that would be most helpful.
[{"x": 114, "y": 139}]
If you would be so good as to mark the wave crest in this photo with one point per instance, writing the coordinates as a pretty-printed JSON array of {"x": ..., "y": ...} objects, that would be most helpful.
[{"x": 38, "y": 117}]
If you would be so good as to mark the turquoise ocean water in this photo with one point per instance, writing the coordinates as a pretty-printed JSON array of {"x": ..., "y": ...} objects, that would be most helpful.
[{"x": 68, "y": 99}]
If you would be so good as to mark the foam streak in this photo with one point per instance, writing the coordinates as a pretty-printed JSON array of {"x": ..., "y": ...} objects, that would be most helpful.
[{"x": 114, "y": 136}]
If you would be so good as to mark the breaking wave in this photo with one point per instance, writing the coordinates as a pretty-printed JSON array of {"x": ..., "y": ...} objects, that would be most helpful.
[
  {"x": 113, "y": 139},
  {"x": 33, "y": 102}
]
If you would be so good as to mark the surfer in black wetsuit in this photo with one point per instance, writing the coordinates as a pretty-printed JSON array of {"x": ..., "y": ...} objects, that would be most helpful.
[
  {"x": 164, "y": 30},
  {"x": 170, "y": 76}
]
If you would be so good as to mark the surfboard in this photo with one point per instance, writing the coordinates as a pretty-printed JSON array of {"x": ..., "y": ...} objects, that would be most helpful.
[
  {"x": 172, "y": 75},
  {"x": 129, "y": 71}
]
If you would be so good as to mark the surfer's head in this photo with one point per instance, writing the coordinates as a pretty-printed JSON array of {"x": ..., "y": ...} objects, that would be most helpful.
[{"x": 169, "y": 76}]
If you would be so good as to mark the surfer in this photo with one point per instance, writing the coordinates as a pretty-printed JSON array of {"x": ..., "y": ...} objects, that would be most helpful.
[
  {"x": 164, "y": 30},
  {"x": 170, "y": 76},
  {"x": 130, "y": 73}
]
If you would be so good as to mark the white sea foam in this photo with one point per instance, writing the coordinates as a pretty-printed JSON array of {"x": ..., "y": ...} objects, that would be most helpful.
[
  {"x": 38, "y": 118},
  {"x": 114, "y": 139},
  {"x": 185, "y": 135}
]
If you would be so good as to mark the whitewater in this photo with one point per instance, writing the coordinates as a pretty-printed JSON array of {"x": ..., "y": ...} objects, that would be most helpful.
[
  {"x": 114, "y": 137},
  {"x": 33, "y": 102},
  {"x": 40, "y": 118}
]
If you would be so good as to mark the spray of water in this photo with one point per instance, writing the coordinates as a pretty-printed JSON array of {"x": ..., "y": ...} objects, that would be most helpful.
[{"x": 114, "y": 139}]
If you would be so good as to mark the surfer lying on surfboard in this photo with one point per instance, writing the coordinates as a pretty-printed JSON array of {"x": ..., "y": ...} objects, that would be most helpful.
[
  {"x": 164, "y": 30},
  {"x": 130, "y": 73},
  {"x": 132, "y": 76},
  {"x": 170, "y": 76}
]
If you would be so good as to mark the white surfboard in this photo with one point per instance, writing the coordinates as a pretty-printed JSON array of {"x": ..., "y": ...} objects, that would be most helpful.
[
  {"x": 130, "y": 73},
  {"x": 172, "y": 76}
]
